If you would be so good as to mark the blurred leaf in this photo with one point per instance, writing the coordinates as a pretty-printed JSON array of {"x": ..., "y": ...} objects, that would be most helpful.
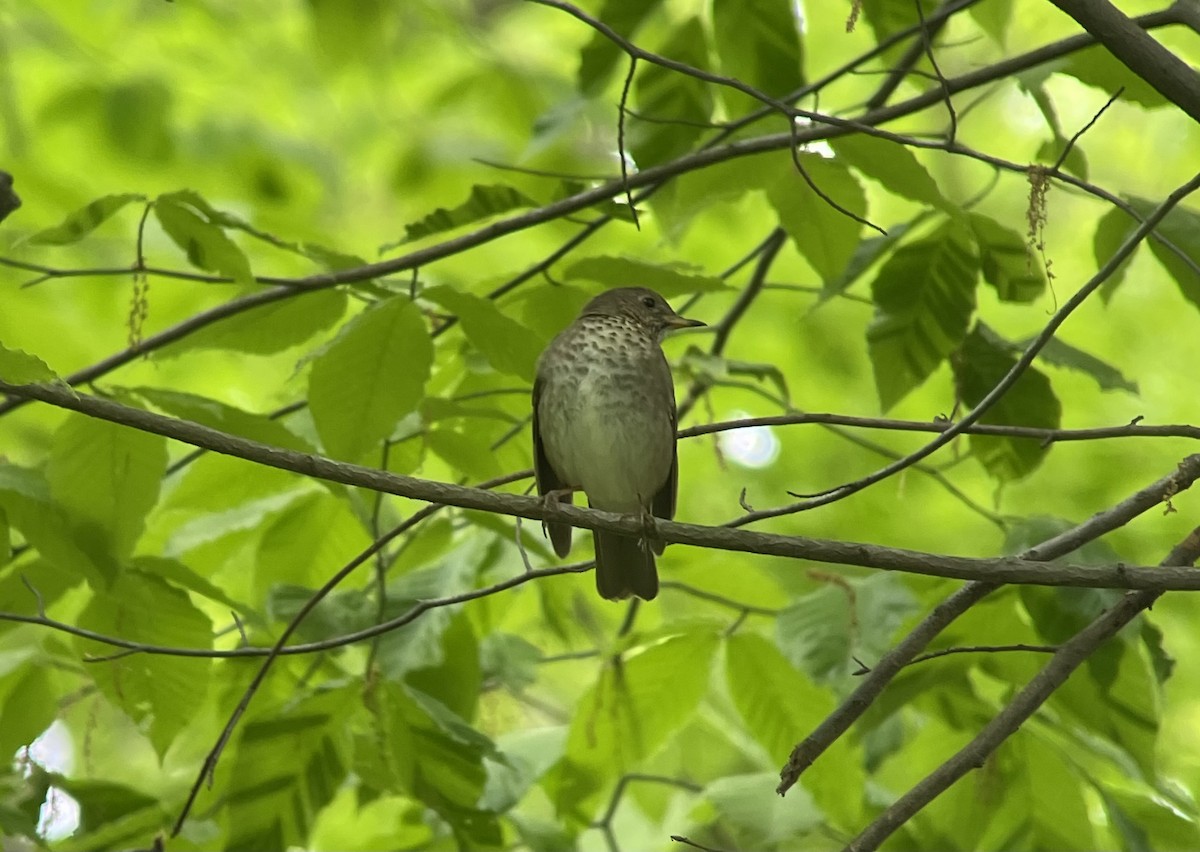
[
  {"x": 206, "y": 245},
  {"x": 1033, "y": 81},
  {"x": 866, "y": 253},
  {"x": 85, "y": 220},
  {"x": 1096, "y": 66},
  {"x": 160, "y": 692},
  {"x": 993, "y": 18},
  {"x": 924, "y": 296},
  {"x": 288, "y": 764},
  {"x": 137, "y": 115},
  {"x": 270, "y": 328},
  {"x": 1182, "y": 228},
  {"x": 371, "y": 375},
  {"x": 981, "y": 362},
  {"x": 670, "y": 280},
  {"x": 760, "y": 818},
  {"x": 675, "y": 106},
  {"x": 718, "y": 370},
  {"x": 28, "y": 704},
  {"x": 25, "y": 498},
  {"x": 484, "y": 202},
  {"x": 226, "y": 418},
  {"x": 824, "y": 236},
  {"x": 758, "y": 43},
  {"x": 600, "y": 55},
  {"x": 1061, "y": 354},
  {"x": 636, "y": 704},
  {"x": 106, "y": 477},
  {"x": 20, "y": 368},
  {"x": 509, "y": 346},
  {"x": 895, "y": 168},
  {"x": 1113, "y": 228},
  {"x": 510, "y": 660},
  {"x": 1007, "y": 261}
]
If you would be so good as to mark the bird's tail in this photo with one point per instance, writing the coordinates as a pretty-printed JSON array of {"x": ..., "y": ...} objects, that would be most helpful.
[{"x": 624, "y": 567}]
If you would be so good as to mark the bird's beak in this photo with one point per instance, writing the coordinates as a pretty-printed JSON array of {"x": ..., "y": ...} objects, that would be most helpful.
[{"x": 683, "y": 322}]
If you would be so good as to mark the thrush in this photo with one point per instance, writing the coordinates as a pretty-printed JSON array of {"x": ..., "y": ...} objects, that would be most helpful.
[{"x": 604, "y": 424}]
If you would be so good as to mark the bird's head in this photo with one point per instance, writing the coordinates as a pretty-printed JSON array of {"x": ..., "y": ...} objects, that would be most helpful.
[{"x": 641, "y": 305}]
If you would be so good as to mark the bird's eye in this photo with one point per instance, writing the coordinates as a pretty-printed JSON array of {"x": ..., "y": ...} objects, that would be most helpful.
[{"x": 648, "y": 301}]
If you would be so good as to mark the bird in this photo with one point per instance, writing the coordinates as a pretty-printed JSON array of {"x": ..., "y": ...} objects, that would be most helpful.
[{"x": 604, "y": 424}]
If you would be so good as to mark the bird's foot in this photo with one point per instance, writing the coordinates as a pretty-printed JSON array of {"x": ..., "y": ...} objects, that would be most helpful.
[
  {"x": 649, "y": 534},
  {"x": 551, "y": 500}
]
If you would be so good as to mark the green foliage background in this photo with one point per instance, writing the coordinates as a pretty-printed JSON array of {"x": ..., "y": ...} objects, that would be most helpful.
[{"x": 278, "y": 140}]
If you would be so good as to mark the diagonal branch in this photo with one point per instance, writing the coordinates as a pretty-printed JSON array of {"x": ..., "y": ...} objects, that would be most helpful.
[
  {"x": 1070, "y": 656},
  {"x": 836, "y": 724}
]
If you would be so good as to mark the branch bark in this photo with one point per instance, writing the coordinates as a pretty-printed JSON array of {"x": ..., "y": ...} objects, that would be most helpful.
[
  {"x": 1002, "y": 570},
  {"x": 1171, "y": 77}
]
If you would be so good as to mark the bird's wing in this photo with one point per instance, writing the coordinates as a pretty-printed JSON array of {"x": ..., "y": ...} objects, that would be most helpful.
[
  {"x": 548, "y": 480},
  {"x": 664, "y": 501}
]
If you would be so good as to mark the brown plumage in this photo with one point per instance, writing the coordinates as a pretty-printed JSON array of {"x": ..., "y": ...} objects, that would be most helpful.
[{"x": 604, "y": 423}]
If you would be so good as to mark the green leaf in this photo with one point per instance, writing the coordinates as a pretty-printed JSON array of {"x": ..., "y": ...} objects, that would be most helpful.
[
  {"x": 760, "y": 818},
  {"x": 823, "y": 632},
  {"x": 106, "y": 477},
  {"x": 25, "y": 498},
  {"x": 622, "y": 720},
  {"x": 780, "y": 707},
  {"x": 924, "y": 297},
  {"x": 509, "y": 346},
  {"x": 1061, "y": 354},
  {"x": 158, "y": 691},
  {"x": 18, "y": 367},
  {"x": 866, "y": 253},
  {"x": 270, "y": 328},
  {"x": 369, "y": 377},
  {"x": 824, "y": 236},
  {"x": 85, "y": 220},
  {"x": 226, "y": 418},
  {"x": 1112, "y": 230},
  {"x": 509, "y": 660},
  {"x": 484, "y": 202},
  {"x": 668, "y": 279},
  {"x": 674, "y": 104},
  {"x": 1008, "y": 263},
  {"x": 28, "y": 704},
  {"x": 1097, "y": 67},
  {"x": 758, "y": 43},
  {"x": 289, "y": 763},
  {"x": 205, "y": 243},
  {"x": 1033, "y": 81},
  {"x": 982, "y": 361},
  {"x": 327, "y": 257},
  {"x": 314, "y": 536},
  {"x": 600, "y": 56},
  {"x": 895, "y": 167},
  {"x": 1181, "y": 227}
]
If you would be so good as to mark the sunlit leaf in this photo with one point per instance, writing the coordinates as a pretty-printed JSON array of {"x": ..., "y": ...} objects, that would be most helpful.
[
  {"x": 269, "y": 328},
  {"x": 675, "y": 105},
  {"x": 895, "y": 167}
]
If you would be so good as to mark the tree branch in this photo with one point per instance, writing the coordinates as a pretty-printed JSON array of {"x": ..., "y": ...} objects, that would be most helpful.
[
  {"x": 1002, "y": 570},
  {"x": 839, "y": 721},
  {"x": 1171, "y": 77},
  {"x": 1070, "y": 655}
]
